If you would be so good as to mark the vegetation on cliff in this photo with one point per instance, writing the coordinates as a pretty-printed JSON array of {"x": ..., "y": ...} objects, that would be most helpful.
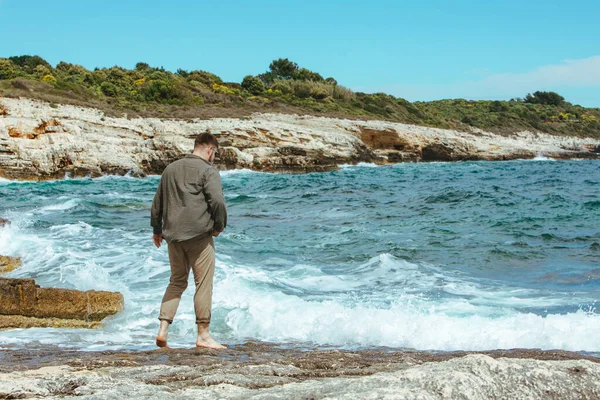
[{"x": 284, "y": 87}]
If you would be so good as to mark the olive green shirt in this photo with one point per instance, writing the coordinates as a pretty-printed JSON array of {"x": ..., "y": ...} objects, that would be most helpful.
[{"x": 189, "y": 200}]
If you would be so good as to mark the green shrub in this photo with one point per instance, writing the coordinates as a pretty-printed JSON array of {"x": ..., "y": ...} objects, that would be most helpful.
[
  {"x": 319, "y": 93},
  {"x": 108, "y": 89},
  {"x": 253, "y": 85},
  {"x": 8, "y": 69},
  {"x": 41, "y": 71},
  {"x": 204, "y": 77}
]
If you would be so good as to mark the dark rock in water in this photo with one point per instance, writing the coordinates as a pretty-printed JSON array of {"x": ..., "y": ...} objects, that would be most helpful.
[
  {"x": 4, "y": 222},
  {"x": 22, "y": 297}
]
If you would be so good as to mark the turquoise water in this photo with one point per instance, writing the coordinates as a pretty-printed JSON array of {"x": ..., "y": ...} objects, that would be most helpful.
[{"x": 437, "y": 256}]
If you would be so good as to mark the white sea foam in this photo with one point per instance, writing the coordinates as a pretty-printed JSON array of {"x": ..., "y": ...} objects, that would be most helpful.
[
  {"x": 277, "y": 317},
  {"x": 242, "y": 171},
  {"x": 541, "y": 157},
  {"x": 359, "y": 165},
  {"x": 61, "y": 206}
]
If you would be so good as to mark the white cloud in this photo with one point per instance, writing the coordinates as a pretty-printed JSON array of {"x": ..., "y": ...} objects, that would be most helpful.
[{"x": 581, "y": 73}]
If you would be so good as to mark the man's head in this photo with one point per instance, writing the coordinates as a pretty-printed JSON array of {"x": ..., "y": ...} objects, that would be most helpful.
[{"x": 206, "y": 146}]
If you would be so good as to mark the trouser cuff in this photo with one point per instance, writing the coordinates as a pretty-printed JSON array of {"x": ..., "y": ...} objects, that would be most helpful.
[{"x": 170, "y": 321}]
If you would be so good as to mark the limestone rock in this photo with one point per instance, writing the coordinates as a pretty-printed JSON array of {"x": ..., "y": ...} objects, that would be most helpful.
[
  {"x": 8, "y": 264},
  {"x": 22, "y": 297},
  {"x": 41, "y": 142}
]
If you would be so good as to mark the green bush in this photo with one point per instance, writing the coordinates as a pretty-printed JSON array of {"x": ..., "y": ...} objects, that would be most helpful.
[
  {"x": 253, "y": 85},
  {"x": 8, "y": 69},
  {"x": 41, "y": 70},
  {"x": 319, "y": 93},
  {"x": 204, "y": 77},
  {"x": 108, "y": 89}
]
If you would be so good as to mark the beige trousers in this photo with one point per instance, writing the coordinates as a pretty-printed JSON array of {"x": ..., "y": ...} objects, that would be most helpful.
[{"x": 197, "y": 254}]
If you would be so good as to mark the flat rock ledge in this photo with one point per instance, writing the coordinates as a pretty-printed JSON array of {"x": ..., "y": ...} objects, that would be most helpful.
[
  {"x": 23, "y": 304},
  {"x": 39, "y": 141},
  {"x": 264, "y": 371}
]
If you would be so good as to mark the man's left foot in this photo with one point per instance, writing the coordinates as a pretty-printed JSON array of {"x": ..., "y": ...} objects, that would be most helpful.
[{"x": 209, "y": 343}]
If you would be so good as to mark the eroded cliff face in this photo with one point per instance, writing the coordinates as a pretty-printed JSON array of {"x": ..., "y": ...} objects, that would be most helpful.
[{"x": 42, "y": 141}]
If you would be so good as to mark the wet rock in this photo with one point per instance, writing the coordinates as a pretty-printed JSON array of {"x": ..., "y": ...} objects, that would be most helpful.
[
  {"x": 4, "y": 222},
  {"x": 246, "y": 372},
  {"x": 8, "y": 264},
  {"x": 22, "y": 297}
]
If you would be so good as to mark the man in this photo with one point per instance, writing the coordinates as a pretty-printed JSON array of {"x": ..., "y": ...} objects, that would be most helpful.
[{"x": 188, "y": 210}]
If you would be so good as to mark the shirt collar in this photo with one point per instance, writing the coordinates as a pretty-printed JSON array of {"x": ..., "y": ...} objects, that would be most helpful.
[{"x": 197, "y": 157}]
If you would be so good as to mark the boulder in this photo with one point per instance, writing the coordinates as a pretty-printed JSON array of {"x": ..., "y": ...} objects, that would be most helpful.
[
  {"x": 8, "y": 264},
  {"x": 4, "y": 222},
  {"x": 22, "y": 297}
]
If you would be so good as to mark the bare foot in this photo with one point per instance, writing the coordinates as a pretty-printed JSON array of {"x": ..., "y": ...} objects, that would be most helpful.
[
  {"x": 208, "y": 342},
  {"x": 161, "y": 342},
  {"x": 205, "y": 339},
  {"x": 163, "y": 331}
]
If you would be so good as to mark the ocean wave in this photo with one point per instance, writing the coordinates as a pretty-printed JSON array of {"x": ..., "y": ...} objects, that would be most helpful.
[
  {"x": 359, "y": 165},
  {"x": 277, "y": 317}
]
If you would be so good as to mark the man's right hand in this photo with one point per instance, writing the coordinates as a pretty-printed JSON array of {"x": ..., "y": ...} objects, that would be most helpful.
[{"x": 157, "y": 239}]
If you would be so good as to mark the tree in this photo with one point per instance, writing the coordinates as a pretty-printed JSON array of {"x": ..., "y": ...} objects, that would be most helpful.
[
  {"x": 283, "y": 68},
  {"x": 142, "y": 66},
  {"x": 549, "y": 98},
  {"x": 304, "y": 74},
  {"x": 28, "y": 63},
  {"x": 253, "y": 85}
]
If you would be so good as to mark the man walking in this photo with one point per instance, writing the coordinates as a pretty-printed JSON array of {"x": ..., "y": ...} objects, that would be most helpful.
[{"x": 188, "y": 210}]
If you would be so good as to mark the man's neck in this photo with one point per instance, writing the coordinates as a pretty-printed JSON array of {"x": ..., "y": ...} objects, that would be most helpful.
[{"x": 202, "y": 153}]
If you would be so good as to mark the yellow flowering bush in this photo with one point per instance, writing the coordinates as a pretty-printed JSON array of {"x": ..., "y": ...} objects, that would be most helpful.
[
  {"x": 589, "y": 118},
  {"x": 49, "y": 79},
  {"x": 217, "y": 88}
]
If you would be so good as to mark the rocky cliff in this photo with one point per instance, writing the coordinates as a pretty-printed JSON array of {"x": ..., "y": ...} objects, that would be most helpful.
[{"x": 40, "y": 140}]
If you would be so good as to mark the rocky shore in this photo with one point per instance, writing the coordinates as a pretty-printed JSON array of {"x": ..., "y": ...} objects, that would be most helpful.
[
  {"x": 43, "y": 141},
  {"x": 267, "y": 371}
]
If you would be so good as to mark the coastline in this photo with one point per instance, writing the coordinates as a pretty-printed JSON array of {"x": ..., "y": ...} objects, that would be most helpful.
[
  {"x": 41, "y": 141},
  {"x": 265, "y": 370}
]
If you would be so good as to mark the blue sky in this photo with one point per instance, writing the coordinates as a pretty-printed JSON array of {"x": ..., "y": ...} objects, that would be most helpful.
[{"x": 423, "y": 50}]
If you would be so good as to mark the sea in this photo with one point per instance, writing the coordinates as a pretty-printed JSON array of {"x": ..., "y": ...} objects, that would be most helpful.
[{"x": 424, "y": 256}]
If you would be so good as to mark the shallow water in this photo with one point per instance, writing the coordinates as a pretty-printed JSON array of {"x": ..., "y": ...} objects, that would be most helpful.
[{"x": 436, "y": 256}]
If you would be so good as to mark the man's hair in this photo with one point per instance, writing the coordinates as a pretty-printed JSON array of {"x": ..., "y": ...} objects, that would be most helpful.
[{"x": 206, "y": 139}]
